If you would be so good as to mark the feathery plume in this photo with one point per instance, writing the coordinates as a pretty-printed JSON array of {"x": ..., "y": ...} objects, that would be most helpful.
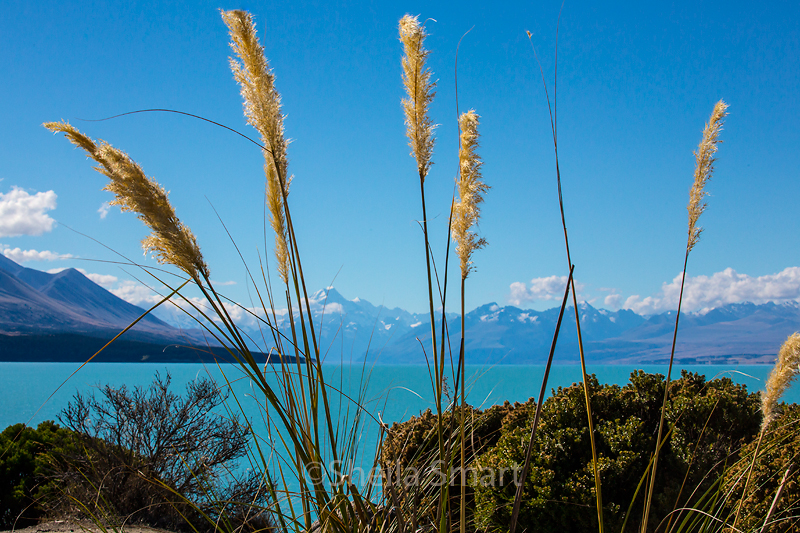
[
  {"x": 705, "y": 167},
  {"x": 785, "y": 371},
  {"x": 262, "y": 107},
  {"x": 467, "y": 211},
  {"x": 419, "y": 87},
  {"x": 170, "y": 241}
]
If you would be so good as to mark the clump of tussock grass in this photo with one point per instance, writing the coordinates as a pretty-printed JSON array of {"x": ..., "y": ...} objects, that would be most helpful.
[{"x": 299, "y": 406}]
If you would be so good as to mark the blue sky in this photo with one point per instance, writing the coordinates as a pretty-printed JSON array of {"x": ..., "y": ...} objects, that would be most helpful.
[{"x": 636, "y": 84}]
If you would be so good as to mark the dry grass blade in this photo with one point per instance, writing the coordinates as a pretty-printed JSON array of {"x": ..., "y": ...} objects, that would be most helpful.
[
  {"x": 776, "y": 498},
  {"x": 170, "y": 241}
]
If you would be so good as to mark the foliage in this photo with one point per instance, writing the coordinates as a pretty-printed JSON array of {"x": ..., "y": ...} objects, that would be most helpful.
[
  {"x": 779, "y": 453},
  {"x": 152, "y": 456},
  {"x": 410, "y": 453},
  {"x": 24, "y": 467},
  {"x": 710, "y": 421}
]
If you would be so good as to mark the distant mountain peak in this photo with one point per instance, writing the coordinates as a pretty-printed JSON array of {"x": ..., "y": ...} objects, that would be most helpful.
[
  {"x": 35, "y": 302},
  {"x": 69, "y": 302}
]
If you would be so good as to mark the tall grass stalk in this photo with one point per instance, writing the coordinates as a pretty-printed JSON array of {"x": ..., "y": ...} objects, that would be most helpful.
[
  {"x": 419, "y": 129},
  {"x": 705, "y": 158},
  {"x": 571, "y": 266},
  {"x": 466, "y": 213},
  {"x": 537, "y": 416}
]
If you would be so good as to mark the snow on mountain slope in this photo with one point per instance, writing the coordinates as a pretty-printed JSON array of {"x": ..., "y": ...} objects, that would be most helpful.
[{"x": 34, "y": 302}]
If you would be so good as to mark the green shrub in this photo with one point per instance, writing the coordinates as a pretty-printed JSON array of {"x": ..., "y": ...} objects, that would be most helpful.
[
  {"x": 710, "y": 420},
  {"x": 411, "y": 451},
  {"x": 25, "y": 464}
]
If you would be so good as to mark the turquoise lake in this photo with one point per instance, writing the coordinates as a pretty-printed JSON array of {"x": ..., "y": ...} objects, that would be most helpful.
[
  {"x": 396, "y": 392},
  {"x": 33, "y": 392}
]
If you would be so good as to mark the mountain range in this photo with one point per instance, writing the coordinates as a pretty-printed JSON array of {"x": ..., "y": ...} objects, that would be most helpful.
[
  {"x": 66, "y": 316},
  {"x": 743, "y": 333}
]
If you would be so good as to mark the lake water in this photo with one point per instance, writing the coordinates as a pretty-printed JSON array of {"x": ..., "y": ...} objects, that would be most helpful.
[
  {"x": 29, "y": 392},
  {"x": 33, "y": 392}
]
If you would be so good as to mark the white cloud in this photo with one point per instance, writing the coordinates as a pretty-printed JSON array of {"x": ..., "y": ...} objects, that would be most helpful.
[
  {"x": 18, "y": 255},
  {"x": 549, "y": 288},
  {"x": 222, "y": 283},
  {"x": 135, "y": 293},
  {"x": 332, "y": 308},
  {"x": 104, "y": 209},
  {"x": 25, "y": 214},
  {"x": 721, "y": 288},
  {"x": 612, "y": 300},
  {"x": 104, "y": 280}
]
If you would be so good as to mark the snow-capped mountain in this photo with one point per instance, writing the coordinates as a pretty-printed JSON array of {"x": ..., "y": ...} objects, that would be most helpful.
[
  {"x": 347, "y": 330},
  {"x": 68, "y": 305},
  {"x": 354, "y": 330},
  {"x": 745, "y": 333}
]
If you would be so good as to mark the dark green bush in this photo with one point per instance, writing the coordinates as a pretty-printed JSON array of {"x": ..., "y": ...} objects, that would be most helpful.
[
  {"x": 410, "y": 454},
  {"x": 25, "y": 464},
  {"x": 711, "y": 420}
]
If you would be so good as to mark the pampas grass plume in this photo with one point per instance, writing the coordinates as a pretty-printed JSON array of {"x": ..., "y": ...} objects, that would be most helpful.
[
  {"x": 467, "y": 211},
  {"x": 703, "y": 170},
  {"x": 170, "y": 241},
  {"x": 262, "y": 107},
  {"x": 420, "y": 91},
  {"x": 783, "y": 374}
]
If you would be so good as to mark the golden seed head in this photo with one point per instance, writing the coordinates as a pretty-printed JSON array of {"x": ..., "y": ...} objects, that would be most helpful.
[
  {"x": 262, "y": 107},
  {"x": 277, "y": 220},
  {"x": 467, "y": 210},
  {"x": 420, "y": 91},
  {"x": 786, "y": 369},
  {"x": 705, "y": 167},
  {"x": 170, "y": 241}
]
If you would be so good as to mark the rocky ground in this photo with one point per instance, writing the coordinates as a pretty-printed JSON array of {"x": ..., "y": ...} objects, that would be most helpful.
[{"x": 69, "y": 526}]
